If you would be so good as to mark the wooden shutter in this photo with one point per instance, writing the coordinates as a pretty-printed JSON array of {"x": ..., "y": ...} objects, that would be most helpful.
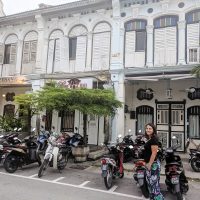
[
  {"x": 96, "y": 52},
  {"x": 1, "y": 53},
  {"x": 193, "y": 35},
  {"x": 159, "y": 51},
  {"x": 129, "y": 48},
  {"x": 13, "y": 51},
  {"x": 33, "y": 51},
  {"x": 57, "y": 56},
  {"x": 50, "y": 56},
  {"x": 26, "y": 50},
  {"x": 105, "y": 50},
  {"x": 170, "y": 44},
  {"x": 81, "y": 53},
  {"x": 64, "y": 54}
]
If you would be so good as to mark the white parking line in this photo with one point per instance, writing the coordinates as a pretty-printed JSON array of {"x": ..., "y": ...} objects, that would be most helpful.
[
  {"x": 58, "y": 179},
  {"x": 32, "y": 176},
  {"x": 112, "y": 189},
  {"x": 75, "y": 186},
  {"x": 84, "y": 183}
]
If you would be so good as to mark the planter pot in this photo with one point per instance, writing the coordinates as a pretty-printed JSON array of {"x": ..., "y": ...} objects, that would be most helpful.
[{"x": 80, "y": 153}]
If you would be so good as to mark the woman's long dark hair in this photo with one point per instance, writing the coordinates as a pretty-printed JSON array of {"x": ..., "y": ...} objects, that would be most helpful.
[{"x": 154, "y": 130}]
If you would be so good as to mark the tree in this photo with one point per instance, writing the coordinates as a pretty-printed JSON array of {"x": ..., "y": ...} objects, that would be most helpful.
[
  {"x": 57, "y": 97},
  {"x": 196, "y": 71},
  {"x": 28, "y": 106}
]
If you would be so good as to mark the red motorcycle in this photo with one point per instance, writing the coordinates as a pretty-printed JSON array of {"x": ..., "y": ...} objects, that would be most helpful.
[{"x": 112, "y": 164}]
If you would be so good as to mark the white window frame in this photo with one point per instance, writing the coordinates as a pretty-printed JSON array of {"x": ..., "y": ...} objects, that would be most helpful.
[{"x": 30, "y": 52}]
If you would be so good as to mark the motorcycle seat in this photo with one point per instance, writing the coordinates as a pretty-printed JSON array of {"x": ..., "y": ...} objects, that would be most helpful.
[{"x": 172, "y": 163}]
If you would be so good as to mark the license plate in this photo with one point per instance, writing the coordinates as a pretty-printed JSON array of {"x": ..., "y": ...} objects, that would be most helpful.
[
  {"x": 174, "y": 180},
  {"x": 140, "y": 175},
  {"x": 104, "y": 167}
]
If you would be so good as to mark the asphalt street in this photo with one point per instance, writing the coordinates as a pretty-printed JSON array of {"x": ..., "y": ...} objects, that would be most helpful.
[{"x": 75, "y": 182}]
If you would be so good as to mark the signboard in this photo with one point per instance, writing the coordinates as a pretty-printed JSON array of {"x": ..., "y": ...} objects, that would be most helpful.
[
  {"x": 76, "y": 83},
  {"x": 14, "y": 80}
]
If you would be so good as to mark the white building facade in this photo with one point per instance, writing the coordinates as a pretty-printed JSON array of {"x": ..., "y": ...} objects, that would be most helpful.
[{"x": 145, "y": 49}]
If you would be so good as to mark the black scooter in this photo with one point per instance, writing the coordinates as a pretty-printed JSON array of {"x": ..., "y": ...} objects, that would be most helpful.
[
  {"x": 22, "y": 154},
  {"x": 176, "y": 180}
]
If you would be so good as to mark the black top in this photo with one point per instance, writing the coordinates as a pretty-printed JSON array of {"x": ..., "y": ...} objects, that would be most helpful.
[{"x": 147, "y": 148}]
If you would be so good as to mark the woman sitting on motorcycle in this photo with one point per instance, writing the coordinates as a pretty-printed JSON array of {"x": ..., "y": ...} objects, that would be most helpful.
[{"x": 152, "y": 162}]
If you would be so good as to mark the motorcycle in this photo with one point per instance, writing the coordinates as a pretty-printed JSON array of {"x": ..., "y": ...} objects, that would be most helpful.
[
  {"x": 176, "y": 180},
  {"x": 56, "y": 155},
  {"x": 42, "y": 142},
  {"x": 194, "y": 157},
  {"x": 112, "y": 164},
  {"x": 140, "y": 177},
  {"x": 22, "y": 154}
]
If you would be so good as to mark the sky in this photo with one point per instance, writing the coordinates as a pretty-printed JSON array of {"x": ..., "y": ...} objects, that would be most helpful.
[{"x": 17, "y": 6}]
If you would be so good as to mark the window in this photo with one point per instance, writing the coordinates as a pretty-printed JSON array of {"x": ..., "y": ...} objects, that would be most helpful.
[
  {"x": 194, "y": 122},
  {"x": 193, "y": 17},
  {"x": 193, "y": 55},
  {"x": 135, "y": 25},
  {"x": 165, "y": 21},
  {"x": 140, "y": 41},
  {"x": 29, "y": 51},
  {"x": 72, "y": 48},
  {"x": 10, "y": 54}
]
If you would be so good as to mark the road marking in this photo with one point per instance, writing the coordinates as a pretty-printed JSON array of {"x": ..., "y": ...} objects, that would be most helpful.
[
  {"x": 75, "y": 186},
  {"x": 112, "y": 189},
  {"x": 32, "y": 176},
  {"x": 58, "y": 179},
  {"x": 84, "y": 183}
]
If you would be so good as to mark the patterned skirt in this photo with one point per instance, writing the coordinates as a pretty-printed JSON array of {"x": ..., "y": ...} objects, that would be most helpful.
[{"x": 153, "y": 180}]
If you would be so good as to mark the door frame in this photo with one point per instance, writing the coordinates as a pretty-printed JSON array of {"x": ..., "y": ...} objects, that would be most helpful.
[{"x": 170, "y": 119}]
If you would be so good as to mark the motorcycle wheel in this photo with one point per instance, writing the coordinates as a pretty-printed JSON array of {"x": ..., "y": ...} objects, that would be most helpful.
[
  {"x": 11, "y": 164},
  {"x": 43, "y": 167},
  {"x": 145, "y": 191},
  {"x": 179, "y": 196},
  {"x": 109, "y": 178},
  {"x": 195, "y": 166},
  {"x": 121, "y": 175}
]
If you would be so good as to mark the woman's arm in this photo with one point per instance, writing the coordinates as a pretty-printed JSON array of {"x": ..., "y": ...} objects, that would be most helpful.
[{"x": 154, "y": 150}]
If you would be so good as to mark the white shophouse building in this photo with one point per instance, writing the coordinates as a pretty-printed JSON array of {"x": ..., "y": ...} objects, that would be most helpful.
[{"x": 144, "y": 49}]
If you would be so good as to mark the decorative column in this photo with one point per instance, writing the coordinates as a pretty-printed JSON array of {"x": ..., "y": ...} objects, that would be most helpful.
[
  {"x": 117, "y": 69},
  {"x": 19, "y": 57},
  {"x": 181, "y": 42},
  {"x": 40, "y": 69},
  {"x": 89, "y": 52},
  {"x": 150, "y": 45}
]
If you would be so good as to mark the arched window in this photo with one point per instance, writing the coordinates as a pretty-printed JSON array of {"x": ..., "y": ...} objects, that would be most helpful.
[
  {"x": 165, "y": 21},
  {"x": 194, "y": 122},
  {"x": 101, "y": 46},
  {"x": 53, "y": 60},
  {"x": 193, "y": 17},
  {"x": 135, "y": 43},
  {"x": 78, "y": 48},
  {"x": 144, "y": 115},
  {"x": 10, "y": 50},
  {"x": 193, "y": 47},
  {"x": 30, "y": 47},
  {"x": 165, "y": 40}
]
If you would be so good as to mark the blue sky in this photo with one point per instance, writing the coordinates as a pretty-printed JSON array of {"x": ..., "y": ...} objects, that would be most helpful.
[{"x": 16, "y": 6}]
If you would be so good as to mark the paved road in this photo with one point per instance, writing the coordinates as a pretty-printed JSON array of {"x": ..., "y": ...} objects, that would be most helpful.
[{"x": 74, "y": 182}]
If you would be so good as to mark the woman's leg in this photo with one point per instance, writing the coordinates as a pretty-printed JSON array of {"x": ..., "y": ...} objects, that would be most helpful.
[{"x": 153, "y": 180}]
